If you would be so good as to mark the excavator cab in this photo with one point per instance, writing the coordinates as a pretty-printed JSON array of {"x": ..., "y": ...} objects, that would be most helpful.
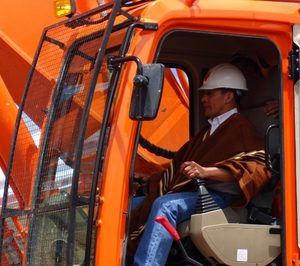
[{"x": 232, "y": 236}]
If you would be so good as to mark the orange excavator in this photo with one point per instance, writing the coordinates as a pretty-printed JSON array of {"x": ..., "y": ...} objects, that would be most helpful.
[{"x": 103, "y": 96}]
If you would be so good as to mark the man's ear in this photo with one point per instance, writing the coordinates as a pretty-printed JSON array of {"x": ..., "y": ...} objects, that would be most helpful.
[{"x": 229, "y": 97}]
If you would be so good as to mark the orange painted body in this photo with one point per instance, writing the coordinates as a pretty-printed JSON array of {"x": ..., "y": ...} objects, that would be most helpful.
[{"x": 266, "y": 19}]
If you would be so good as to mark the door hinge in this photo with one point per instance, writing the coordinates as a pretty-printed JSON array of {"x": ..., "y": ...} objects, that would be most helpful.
[{"x": 294, "y": 63}]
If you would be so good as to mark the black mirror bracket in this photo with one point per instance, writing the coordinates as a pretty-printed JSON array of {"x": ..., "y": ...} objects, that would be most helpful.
[{"x": 114, "y": 62}]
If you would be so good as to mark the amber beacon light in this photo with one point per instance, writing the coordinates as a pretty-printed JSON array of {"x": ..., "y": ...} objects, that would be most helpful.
[{"x": 64, "y": 7}]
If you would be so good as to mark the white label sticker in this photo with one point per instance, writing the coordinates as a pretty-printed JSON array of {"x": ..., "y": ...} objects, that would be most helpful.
[{"x": 242, "y": 255}]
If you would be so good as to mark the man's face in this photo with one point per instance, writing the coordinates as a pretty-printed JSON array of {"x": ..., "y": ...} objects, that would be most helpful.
[{"x": 215, "y": 102}]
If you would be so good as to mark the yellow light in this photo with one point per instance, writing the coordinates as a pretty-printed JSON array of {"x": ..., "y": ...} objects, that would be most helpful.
[{"x": 63, "y": 8}]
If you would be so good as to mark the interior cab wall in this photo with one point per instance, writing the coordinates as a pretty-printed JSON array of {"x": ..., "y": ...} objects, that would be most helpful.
[{"x": 258, "y": 58}]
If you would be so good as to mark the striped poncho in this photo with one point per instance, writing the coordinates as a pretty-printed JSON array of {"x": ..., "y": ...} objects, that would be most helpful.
[{"x": 235, "y": 146}]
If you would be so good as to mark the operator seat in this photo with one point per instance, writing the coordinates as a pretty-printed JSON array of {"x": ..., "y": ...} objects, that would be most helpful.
[{"x": 223, "y": 236}]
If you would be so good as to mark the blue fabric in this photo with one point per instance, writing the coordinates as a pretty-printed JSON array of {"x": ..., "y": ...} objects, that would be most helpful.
[
  {"x": 136, "y": 201},
  {"x": 156, "y": 242}
]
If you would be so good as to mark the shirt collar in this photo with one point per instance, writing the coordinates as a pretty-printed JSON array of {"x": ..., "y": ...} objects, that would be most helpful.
[{"x": 217, "y": 121}]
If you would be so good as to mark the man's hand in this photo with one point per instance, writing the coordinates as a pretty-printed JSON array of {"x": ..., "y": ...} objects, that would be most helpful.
[
  {"x": 191, "y": 169},
  {"x": 271, "y": 108}
]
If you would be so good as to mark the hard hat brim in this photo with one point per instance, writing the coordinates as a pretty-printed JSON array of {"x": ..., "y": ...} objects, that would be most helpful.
[{"x": 208, "y": 87}]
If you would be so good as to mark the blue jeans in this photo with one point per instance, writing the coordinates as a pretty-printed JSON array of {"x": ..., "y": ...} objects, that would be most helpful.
[{"x": 156, "y": 242}]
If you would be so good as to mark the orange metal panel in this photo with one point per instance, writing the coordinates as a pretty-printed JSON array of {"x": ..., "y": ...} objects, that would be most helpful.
[
  {"x": 14, "y": 67},
  {"x": 8, "y": 114},
  {"x": 23, "y": 22},
  {"x": 83, "y": 6}
]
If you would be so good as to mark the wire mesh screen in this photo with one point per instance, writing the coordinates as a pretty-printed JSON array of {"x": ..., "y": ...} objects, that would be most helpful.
[
  {"x": 55, "y": 117},
  {"x": 14, "y": 241},
  {"x": 53, "y": 234}
]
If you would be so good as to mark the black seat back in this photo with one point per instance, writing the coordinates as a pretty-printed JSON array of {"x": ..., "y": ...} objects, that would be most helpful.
[{"x": 260, "y": 208}]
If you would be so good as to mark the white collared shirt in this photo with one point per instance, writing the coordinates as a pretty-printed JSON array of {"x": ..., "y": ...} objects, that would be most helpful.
[{"x": 217, "y": 121}]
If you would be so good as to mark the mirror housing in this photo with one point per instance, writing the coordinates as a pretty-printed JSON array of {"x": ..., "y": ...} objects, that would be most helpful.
[{"x": 147, "y": 91}]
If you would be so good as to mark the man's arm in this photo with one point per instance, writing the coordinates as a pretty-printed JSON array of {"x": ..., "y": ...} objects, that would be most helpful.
[{"x": 191, "y": 169}]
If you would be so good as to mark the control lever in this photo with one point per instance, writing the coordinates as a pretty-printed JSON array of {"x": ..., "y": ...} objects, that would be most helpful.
[{"x": 166, "y": 224}]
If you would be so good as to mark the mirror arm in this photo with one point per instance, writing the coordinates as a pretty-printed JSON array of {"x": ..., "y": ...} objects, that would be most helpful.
[{"x": 113, "y": 62}]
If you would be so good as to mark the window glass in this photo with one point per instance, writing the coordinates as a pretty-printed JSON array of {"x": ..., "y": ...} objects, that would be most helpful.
[{"x": 170, "y": 129}]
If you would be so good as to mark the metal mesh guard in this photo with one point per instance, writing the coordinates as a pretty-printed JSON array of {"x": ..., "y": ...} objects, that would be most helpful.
[{"x": 38, "y": 195}]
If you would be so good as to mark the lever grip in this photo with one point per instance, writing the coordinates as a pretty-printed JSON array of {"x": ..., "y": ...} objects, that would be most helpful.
[{"x": 166, "y": 224}]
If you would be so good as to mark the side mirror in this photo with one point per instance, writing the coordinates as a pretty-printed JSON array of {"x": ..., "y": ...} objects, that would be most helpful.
[{"x": 147, "y": 91}]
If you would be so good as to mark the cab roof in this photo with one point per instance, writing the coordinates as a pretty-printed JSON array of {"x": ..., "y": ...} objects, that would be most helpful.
[{"x": 276, "y": 11}]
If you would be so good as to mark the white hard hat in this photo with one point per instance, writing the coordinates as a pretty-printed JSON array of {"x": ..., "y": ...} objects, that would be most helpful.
[{"x": 224, "y": 76}]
